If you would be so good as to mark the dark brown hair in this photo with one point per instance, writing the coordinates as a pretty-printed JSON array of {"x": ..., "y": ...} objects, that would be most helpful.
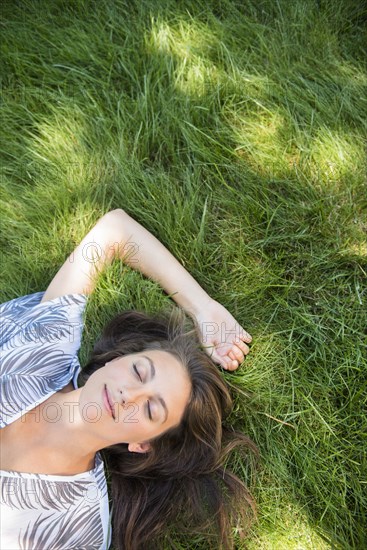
[{"x": 181, "y": 483}]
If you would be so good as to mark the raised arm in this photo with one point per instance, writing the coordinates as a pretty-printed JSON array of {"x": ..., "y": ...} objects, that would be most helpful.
[{"x": 117, "y": 235}]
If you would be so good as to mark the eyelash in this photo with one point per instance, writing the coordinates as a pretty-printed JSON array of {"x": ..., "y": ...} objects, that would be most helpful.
[
  {"x": 141, "y": 380},
  {"x": 137, "y": 372}
]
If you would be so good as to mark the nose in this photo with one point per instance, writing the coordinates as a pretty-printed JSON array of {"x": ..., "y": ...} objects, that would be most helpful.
[{"x": 130, "y": 395}]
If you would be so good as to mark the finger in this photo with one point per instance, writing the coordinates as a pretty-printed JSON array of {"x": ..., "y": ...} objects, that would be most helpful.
[
  {"x": 245, "y": 336},
  {"x": 242, "y": 346},
  {"x": 222, "y": 348},
  {"x": 225, "y": 362},
  {"x": 234, "y": 362},
  {"x": 237, "y": 354},
  {"x": 233, "y": 365}
]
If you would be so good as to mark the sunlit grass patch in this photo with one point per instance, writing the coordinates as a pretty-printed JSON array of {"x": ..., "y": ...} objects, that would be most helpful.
[
  {"x": 184, "y": 38},
  {"x": 335, "y": 155},
  {"x": 290, "y": 530},
  {"x": 260, "y": 141}
]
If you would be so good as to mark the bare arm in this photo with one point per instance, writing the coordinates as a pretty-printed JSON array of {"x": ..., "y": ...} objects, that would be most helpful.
[
  {"x": 117, "y": 235},
  {"x": 95, "y": 251}
]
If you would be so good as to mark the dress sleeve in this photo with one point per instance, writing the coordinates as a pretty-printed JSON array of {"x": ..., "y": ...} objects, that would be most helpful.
[{"x": 38, "y": 353}]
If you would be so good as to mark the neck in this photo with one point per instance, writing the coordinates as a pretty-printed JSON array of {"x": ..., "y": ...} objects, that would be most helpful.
[{"x": 63, "y": 435}]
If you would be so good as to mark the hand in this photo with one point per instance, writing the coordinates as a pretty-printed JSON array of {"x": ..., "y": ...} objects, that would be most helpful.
[{"x": 222, "y": 337}]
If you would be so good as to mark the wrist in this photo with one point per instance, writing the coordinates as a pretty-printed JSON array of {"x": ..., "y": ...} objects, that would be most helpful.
[{"x": 196, "y": 306}]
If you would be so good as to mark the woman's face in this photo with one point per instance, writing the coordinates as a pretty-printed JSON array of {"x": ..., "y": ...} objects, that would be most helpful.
[{"x": 135, "y": 398}]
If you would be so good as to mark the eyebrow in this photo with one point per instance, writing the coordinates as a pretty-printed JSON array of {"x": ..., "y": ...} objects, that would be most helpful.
[{"x": 152, "y": 374}]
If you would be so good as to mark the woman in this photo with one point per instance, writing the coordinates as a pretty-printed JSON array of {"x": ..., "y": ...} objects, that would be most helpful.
[{"x": 149, "y": 401}]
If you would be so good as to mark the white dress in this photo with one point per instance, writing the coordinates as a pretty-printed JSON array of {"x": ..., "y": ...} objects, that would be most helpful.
[{"x": 38, "y": 357}]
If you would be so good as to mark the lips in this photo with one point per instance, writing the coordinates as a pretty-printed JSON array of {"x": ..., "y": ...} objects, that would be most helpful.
[{"x": 107, "y": 402}]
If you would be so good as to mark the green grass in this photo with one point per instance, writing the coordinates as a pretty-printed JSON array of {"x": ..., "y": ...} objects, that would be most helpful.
[{"x": 235, "y": 132}]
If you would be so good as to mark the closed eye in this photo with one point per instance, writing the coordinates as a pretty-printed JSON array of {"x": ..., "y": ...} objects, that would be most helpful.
[
  {"x": 148, "y": 404},
  {"x": 137, "y": 372}
]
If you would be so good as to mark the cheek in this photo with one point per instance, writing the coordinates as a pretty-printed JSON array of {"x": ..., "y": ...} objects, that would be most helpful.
[{"x": 130, "y": 417}]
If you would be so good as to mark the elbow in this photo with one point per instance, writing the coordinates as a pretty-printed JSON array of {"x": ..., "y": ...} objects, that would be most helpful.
[
  {"x": 117, "y": 212},
  {"x": 116, "y": 217}
]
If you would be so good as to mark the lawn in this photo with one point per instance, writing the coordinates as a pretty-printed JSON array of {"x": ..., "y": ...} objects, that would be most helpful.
[{"x": 235, "y": 132}]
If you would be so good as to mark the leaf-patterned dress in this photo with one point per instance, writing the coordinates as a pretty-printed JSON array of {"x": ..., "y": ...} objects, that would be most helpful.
[{"x": 38, "y": 357}]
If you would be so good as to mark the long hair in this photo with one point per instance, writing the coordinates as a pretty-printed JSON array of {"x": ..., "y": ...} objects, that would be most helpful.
[{"x": 182, "y": 482}]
